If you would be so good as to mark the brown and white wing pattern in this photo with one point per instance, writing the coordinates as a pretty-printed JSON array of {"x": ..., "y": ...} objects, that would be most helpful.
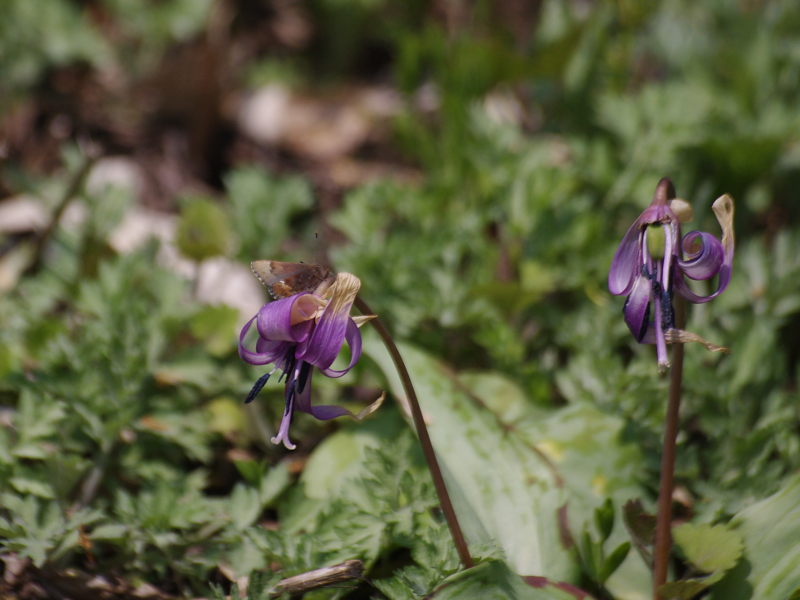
[{"x": 284, "y": 279}]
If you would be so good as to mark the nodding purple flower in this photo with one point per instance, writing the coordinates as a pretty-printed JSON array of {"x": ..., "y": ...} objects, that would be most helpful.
[
  {"x": 299, "y": 333},
  {"x": 652, "y": 262}
]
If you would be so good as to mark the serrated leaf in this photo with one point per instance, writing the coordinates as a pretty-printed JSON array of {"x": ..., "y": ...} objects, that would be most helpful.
[
  {"x": 32, "y": 486},
  {"x": 111, "y": 532},
  {"x": 709, "y": 548}
]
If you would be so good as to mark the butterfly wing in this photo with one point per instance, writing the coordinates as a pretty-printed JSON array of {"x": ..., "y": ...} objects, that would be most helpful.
[{"x": 284, "y": 279}]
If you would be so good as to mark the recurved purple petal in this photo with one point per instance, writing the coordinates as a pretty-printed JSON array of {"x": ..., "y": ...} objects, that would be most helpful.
[
  {"x": 325, "y": 413},
  {"x": 626, "y": 262},
  {"x": 353, "y": 338},
  {"x": 704, "y": 255},
  {"x": 288, "y": 320},
  {"x": 723, "y": 209},
  {"x": 637, "y": 307},
  {"x": 266, "y": 352}
]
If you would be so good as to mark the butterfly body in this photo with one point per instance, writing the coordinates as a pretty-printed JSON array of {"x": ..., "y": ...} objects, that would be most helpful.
[{"x": 284, "y": 279}]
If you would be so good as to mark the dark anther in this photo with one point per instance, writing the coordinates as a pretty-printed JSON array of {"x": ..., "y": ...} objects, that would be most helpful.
[
  {"x": 305, "y": 370},
  {"x": 667, "y": 314},
  {"x": 288, "y": 367},
  {"x": 256, "y": 388},
  {"x": 289, "y": 395},
  {"x": 657, "y": 287}
]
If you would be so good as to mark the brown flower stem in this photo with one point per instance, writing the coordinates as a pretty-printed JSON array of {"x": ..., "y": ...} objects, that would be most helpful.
[
  {"x": 424, "y": 438},
  {"x": 665, "y": 487}
]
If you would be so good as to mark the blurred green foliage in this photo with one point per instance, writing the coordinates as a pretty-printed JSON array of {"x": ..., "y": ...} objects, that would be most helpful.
[{"x": 121, "y": 391}]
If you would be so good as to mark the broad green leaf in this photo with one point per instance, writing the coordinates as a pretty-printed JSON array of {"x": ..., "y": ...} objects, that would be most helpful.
[
  {"x": 501, "y": 490},
  {"x": 770, "y": 569},
  {"x": 509, "y": 480},
  {"x": 494, "y": 581}
]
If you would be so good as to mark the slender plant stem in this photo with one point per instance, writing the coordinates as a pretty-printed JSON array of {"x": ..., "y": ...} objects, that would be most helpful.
[
  {"x": 44, "y": 236},
  {"x": 424, "y": 438},
  {"x": 666, "y": 485}
]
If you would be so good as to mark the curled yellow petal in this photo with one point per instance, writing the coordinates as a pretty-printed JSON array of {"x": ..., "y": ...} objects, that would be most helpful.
[
  {"x": 360, "y": 320},
  {"x": 723, "y": 209},
  {"x": 369, "y": 409}
]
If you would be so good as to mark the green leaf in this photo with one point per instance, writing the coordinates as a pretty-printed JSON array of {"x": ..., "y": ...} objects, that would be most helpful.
[
  {"x": 111, "y": 532},
  {"x": 494, "y": 581},
  {"x": 641, "y": 527},
  {"x": 614, "y": 560},
  {"x": 273, "y": 484},
  {"x": 37, "y": 487},
  {"x": 770, "y": 529},
  {"x": 591, "y": 552},
  {"x": 508, "y": 483},
  {"x": 204, "y": 229},
  {"x": 243, "y": 506},
  {"x": 709, "y": 548},
  {"x": 215, "y": 326},
  {"x": 683, "y": 590},
  {"x": 604, "y": 519},
  {"x": 340, "y": 458}
]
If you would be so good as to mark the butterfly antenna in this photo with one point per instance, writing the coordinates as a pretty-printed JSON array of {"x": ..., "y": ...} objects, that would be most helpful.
[{"x": 316, "y": 239}]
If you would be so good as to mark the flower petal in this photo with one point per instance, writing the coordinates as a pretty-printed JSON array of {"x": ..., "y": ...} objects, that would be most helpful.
[
  {"x": 353, "y": 337},
  {"x": 625, "y": 262},
  {"x": 289, "y": 319},
  {"x": 326, "y": 341},
  {"x": 704, "y": 262},
  {"x": 723, "y": 209},
  {"x": 266, "y": 352},
  {"x": 327, "y": 412},
  {"x": 637, "y": 307}
]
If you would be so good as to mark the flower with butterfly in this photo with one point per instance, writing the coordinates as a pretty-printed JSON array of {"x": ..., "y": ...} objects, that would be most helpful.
[{"x": 304, "y": 327}]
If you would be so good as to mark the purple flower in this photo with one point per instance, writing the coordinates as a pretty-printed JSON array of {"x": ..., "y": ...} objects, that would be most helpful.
[
  {"x": 652, "y": 262},
  {"x": 301, "y": 332}
]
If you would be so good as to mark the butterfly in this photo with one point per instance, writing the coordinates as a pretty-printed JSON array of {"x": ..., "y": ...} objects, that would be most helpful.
[{"x": 284, "y": 279}]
